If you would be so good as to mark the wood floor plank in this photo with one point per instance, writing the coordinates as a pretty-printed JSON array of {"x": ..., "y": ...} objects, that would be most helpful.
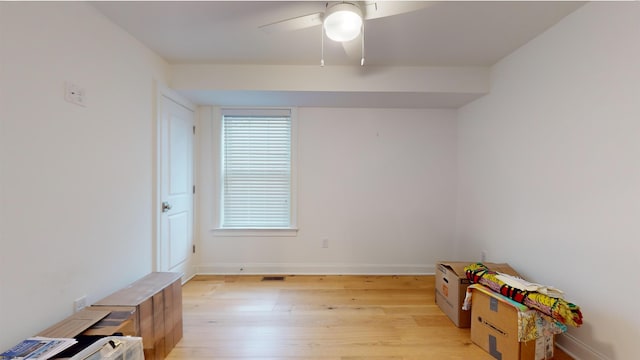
[{"x": 319, "y": 318}]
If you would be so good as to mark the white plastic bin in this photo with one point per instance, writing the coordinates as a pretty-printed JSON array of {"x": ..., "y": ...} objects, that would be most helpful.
[{"x": 113, "y": 348}]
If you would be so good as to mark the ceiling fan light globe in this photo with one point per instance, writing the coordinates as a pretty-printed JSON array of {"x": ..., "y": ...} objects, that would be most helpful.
[{"x": 343, "y": 22}]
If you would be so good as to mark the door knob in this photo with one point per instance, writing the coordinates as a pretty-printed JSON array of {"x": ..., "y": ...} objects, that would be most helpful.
[{"x": 165, "y": 206}]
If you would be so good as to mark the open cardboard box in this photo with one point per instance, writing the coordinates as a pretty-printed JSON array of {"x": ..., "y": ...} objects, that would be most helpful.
[
  {"x": 451, "y": 286},
  {"x": 494, "y": 328}
]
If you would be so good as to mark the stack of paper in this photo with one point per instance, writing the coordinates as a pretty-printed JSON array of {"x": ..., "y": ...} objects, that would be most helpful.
[{"x": 37, "y": 348}]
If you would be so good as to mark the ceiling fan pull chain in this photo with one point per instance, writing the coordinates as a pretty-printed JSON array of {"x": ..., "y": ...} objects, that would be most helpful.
[
  {"x": 322, "y": 46},
  {"x": 362, "y": 60}
]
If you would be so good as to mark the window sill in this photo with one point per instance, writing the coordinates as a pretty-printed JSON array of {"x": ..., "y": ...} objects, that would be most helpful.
[{"x": 255, "y": 232}]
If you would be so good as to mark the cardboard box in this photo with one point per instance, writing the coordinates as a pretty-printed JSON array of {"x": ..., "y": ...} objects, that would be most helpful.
[
  {"x": 494, "y": 328},
  {"x": 121, "y": 320},
  {"x": 75, "y": 324},
  {"x": 451, "y": 286}
]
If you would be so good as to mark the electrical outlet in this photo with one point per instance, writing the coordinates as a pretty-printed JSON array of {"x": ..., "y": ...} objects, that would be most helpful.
[
  {"x": 79, "y": 303},
  {"x": 325, "y": 243},
  {"x": 483, "y": 256}
]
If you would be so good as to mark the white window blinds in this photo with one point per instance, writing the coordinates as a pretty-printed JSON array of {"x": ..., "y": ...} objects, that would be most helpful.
[{"x": 256, "y": 169}]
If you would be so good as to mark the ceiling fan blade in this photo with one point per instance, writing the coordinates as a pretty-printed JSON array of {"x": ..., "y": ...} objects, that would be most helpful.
[
  {"x": 379, "y": 9},
  {"x": 296, "y": 23}
]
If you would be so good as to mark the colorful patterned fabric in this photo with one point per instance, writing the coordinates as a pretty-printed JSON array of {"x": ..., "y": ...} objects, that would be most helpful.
[{"x": 559, "y": 309}]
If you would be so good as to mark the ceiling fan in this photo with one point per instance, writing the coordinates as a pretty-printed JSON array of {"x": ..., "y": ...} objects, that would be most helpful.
[{"x": 343, "y": 21}]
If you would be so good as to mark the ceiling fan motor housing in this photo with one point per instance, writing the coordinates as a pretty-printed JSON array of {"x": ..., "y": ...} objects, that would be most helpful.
[{"x": 343, "y": 22}]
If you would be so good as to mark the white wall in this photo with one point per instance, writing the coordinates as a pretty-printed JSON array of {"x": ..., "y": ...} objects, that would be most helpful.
[
  {"x": 377, "y": 183},
  {"x": 549, "y": 171},
  {"x": 76, "y": 181},
  {"x": 331, "y": 86}
]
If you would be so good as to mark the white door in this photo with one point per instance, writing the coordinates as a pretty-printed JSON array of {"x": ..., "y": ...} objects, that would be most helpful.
[{"x": 176, "y": 187}]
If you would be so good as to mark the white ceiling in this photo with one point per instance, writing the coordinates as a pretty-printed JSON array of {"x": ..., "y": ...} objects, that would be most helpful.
[{"x": 447, "y": 33}]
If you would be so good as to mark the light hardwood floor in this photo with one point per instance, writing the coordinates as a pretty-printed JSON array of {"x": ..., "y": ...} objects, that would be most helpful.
[{"x": 319, "y": 318}]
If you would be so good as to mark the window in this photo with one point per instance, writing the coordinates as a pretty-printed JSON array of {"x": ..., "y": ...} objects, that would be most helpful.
[{"x": 257, "y": 169}]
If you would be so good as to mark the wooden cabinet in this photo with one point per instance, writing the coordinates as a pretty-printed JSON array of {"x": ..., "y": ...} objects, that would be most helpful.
[{"x": 157, "y": 299}]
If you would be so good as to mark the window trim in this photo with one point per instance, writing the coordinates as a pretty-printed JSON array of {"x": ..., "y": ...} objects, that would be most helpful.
[{"x": 217, "y": 230}]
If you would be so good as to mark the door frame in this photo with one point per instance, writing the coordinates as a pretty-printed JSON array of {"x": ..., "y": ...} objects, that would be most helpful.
[{"x": 160, "y": 91}]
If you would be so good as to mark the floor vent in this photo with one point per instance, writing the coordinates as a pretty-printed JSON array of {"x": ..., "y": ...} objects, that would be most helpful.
[{"x": 273, "y": 278}]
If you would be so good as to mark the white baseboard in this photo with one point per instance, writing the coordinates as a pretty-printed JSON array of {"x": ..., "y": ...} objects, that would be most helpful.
[
  {"x": 313, "y": 269},
  {"x": 577, "y": 349},
  {"x": 185, "y": 279}
]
